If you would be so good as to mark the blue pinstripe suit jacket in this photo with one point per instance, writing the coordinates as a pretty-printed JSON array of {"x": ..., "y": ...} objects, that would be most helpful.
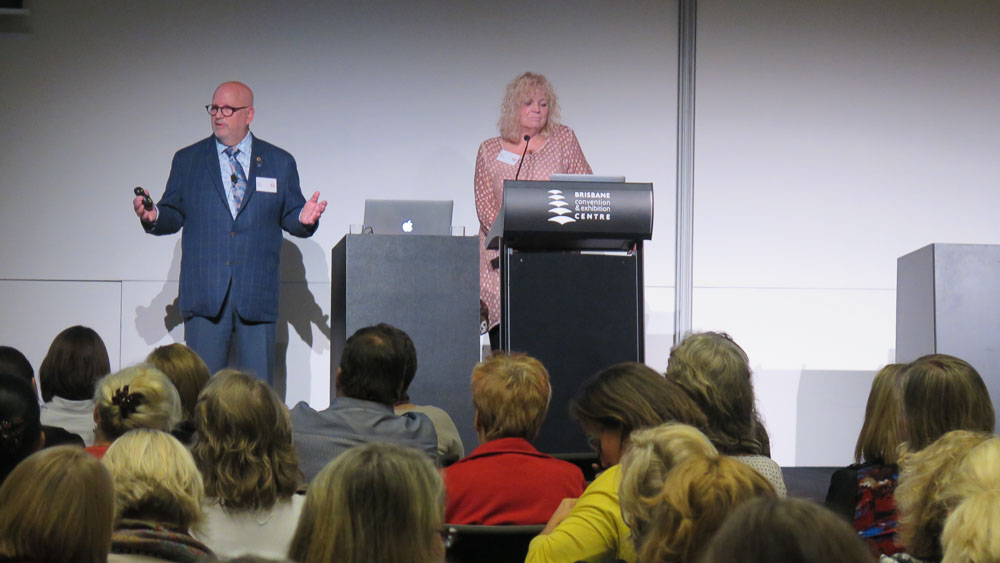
[{"x": 217, "y": 250}]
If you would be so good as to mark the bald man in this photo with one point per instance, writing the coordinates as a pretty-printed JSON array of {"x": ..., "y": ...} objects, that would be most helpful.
[{"x": 233, "y": 194}]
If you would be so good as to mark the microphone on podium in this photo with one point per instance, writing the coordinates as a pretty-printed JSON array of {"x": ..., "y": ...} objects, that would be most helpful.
[{"x": 518, "y": 173}]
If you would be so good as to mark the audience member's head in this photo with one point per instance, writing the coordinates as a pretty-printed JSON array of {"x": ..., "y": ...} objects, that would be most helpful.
[
  {"x": 511, "y": 394},
  {"x": 715, "y": 372},
  {"x": 374, "y": 502},
  {"x": 76, "y": 359},
  {"x": 972, "y": 530},
  {"x": 20, "y": 429},
  {"x": 651, "y": 454},
  {"x": 626, "y": 397},
  {"x": 372, "y": 367},
  {"x": 880, "y": 434},
  {"x": 768, "y": 529},
  {"x": 135, "y": 397},
  {"x": 697, "y": 496},
  {"x": 404, "y": 346},
  {"x": 186, "y": 370},
  {"x": 243, "y": 444},
  {"x": 13, "y": 362},
  {"x": 925, "y": 476},
  {"x": 57, "y": 506},
  {"x": 943, "y": 393},
  {"x": 155, "y": 479}
]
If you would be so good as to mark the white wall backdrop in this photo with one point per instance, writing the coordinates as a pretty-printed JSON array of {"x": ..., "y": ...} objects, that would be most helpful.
[{"x": 831, "y": 138}]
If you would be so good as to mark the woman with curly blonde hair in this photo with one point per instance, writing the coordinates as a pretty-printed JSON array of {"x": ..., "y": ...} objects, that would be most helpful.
[
  {"x": 715, "y": 372},
  {"x": 972, "y": 530},
  {"x": 243, "y": 448},
  {"x": 375, "y": 502},
  {"x": 529, "y": 126},
  {"x": 923, "y": 496},
  {"x": 136, "y": 397},
  {"x": 697, "y": 496},
  {"x": 158, "y": 496}
]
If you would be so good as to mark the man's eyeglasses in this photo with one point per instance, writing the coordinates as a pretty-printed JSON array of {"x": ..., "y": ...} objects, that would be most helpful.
[{"x": 226, "y": 111}]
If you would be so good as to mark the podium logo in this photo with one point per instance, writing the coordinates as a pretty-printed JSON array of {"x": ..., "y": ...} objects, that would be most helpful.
[{"x": 559, "y": 208}]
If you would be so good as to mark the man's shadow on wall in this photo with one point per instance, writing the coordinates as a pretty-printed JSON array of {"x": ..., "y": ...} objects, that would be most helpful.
[{"x": 297, "y": 308}]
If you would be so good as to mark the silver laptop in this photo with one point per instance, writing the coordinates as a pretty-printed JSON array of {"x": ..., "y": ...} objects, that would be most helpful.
[{"x": 408, "y": 217}]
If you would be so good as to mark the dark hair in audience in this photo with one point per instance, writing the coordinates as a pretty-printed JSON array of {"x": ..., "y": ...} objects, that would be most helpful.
[
  {"x": 243, "y": 446},
  {"x": 767, "y": 529},
  {"x": 374, "y": 502},
  {"x": 943, "y": 393},
  {"x": 372, "y": 368},
  {"x": 20, "y": 429},
  {"x": 629, "y": 396},
  {"x": 404, "y": 346},
  {"x": 880, "y": 434},
  {"x": 715, "y": 372},
  {"x": 13, "y": 362},
  {"x": 186, "y": 370},
  {"x": 76, "y": 359},
  {"x": 57, "y": 506}
]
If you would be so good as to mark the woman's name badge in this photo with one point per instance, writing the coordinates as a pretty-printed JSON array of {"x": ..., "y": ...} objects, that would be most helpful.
[{"x": 508, "y": 157}]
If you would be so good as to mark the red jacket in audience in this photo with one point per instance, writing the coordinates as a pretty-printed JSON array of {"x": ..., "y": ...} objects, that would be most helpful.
[{"x": 508, "y": 481}]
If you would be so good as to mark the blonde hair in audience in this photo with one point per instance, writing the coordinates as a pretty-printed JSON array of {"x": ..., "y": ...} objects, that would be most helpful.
[
  {"x": 880, "y": 434},
  {"x": 925, "y": 476},
  {"x": 698, "y": 494},
  {"x": 136, "y": 397},
  {"x": 57, "y": 505},
  {"x": 715, "y": 372},
  {"x": 972, "y": 530},
  {"x": 155, "y": 479},
  {"x": 374, "y": 502},
  {"x": 767, "y": 529},
  {"x": 511, "y": 394},
  {"x": 651, "y": 454},
  {"x": 186, "y": 370},
  {"x": 943, "y": 393},
  {"x": 518, "y": 92},
  {"x": 243, "y": 444}
]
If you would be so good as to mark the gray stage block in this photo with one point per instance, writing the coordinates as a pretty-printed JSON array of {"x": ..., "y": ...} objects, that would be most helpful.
[
  {"x": 427, "y": 286},
  {"x": 948, "y": 302}
]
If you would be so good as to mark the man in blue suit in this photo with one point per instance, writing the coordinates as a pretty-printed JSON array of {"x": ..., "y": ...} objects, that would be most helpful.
[{"x": 233, "y": 194}]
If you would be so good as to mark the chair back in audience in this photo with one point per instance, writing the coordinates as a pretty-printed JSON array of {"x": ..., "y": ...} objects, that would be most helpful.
[{"x": 491, "y": 544}]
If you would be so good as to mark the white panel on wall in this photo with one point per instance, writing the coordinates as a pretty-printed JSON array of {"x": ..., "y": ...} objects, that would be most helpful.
[
  {"x": 33, "y": 312},
  {"x": 659, "y": 319},
  {"x": 150, "y": 318},
  {"x": 806, "y": 337}
]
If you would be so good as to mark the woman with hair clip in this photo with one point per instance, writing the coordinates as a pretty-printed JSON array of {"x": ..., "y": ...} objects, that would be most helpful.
[
  {"x": 715, "y": 373},
  {"x": 158, "y": 496},
  {"x": 135, "y": 397},
  {"x": 20, "y": 430},
  {"x": 862, "y": 493},
  {"x": 57, "y": 506},
  {"x": 375, "y": 502},
  {"x": 243, "y": 448},
  {"x": 532, "y": 145},
  {"x": 609, "y": 407}
]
